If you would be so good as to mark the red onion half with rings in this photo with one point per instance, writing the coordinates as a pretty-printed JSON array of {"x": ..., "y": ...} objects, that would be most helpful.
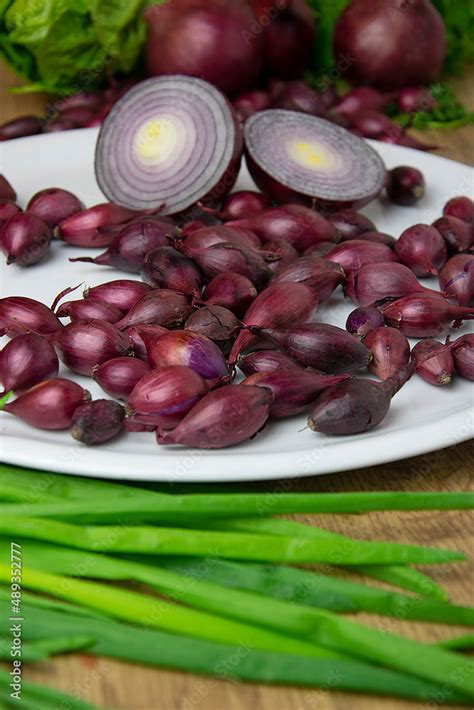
[
  {"x": 168, "y": 143},
  {"x": 296, "y": 157}
]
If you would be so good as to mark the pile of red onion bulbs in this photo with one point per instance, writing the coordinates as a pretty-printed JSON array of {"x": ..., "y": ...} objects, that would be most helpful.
[{"x": 235, "y": 290}]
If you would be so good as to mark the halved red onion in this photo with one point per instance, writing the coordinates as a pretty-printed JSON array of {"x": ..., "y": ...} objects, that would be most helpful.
[
  {"x": 295, "y": 157},
  {"x": 167, "y": 143}
]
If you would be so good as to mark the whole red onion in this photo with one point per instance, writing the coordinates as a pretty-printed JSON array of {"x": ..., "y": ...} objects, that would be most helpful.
[
  {"x": 457, "y": 234},
  {"x": 266, "y": 361},
  {"x": 8, "y": 209},
  {"x": 242, "y": 204},
  {"x": 165, "y": 267},
  {"x": 27, "y": 360},
  {"x": 355, "y": 405},
  {"x": 19, "y": 314},
  {"x": 390, "y": 351},
  {"x": 25, "y": 239},
  {"x": 224, "y": 417},
  {"x": 462, "y": 350},
  {"x": 285, "y": 252},
  {"x": 456, "y": 279},
  {"x": 288, "y": 33},
  {"x": 376, "y": 282},
  {"x": 118, "y": 377},
  {"x": 319, "y": 274},
  {"x": 215, "y": 322},
  {"x": 320, "y": 249},
  {"x": 91, "y": 227},
  {"x": 250, "y": 102},
  {"x": 214, "y": 40},
  {"x": 162, "y": 307},
  {"x": 433, "y": 362},
  {"x": 21, "y": 127},
  {"x": 54, "y": 205},
  {"x": 299, "y": 96},
  {"x": 298, "y": 225},
  {"x": 415, "y": 98},
  {"x": 363, "y": 320},
  {"x": 423, "y": 315},
  {"x": 50, "y": 404},
  {"x": 351, "y": 224},
  {"x": 293, "y": 390},
  {"x": 233, "y": 291},
  {"x": 89, "y": 309},
  {"x": 390, "y": 45},
  {"x": 460, "y": 207},
  {"x": 82, "y": 346},
  {"x": 6, "y": 190},
  {"x": 278, "y": 306},
  {"x": 224, "y": 257},
  {"x": 142, "y": 334},
  {"x": 216, "y": 234},
  {"x": 162, "y": 397},
  {"x": 405, "y": 185},
  {"x": 97, "y": 422},
  {"x": 120, "y": 293},
  {"x": 378, "y": 238},
  {"x": 355, "y": 253},
  {"x": 360, "y": 99},
  {"x": 422, "y": 249},
  {"x": 321, "y": 346},
  {"x": 185, "y": 347}
]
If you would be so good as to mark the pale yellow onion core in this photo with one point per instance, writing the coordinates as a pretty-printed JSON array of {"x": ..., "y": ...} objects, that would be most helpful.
[
  {"x": 158, "y": 139},
  {"x": 311, "y": 155}
]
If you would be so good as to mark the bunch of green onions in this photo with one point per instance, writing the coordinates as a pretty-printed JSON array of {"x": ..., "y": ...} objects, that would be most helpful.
[{"x": 236, "y": 573}]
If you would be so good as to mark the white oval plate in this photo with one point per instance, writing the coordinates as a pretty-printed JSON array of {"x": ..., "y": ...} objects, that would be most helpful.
[{"x": 422, "y": 418}]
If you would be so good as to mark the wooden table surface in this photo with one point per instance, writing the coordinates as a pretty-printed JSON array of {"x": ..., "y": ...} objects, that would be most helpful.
[{"x": 110, "y": 684}]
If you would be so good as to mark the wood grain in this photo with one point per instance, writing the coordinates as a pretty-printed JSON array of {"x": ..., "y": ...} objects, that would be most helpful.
[{"x": 111, "y": 684}]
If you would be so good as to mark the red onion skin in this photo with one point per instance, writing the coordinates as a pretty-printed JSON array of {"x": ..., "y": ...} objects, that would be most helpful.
[
  {"x": 27, "y": 360},
  {"x": 49, "y": 405},
  {"x": 215, "y": 322},
  {"x": 89, "y": 309},
  {"x": 321, "y": 346},
  {"x": 120, "y": 293},
  {"x": 20, "y": 128},
  {"x": 351, "y": 224},
  {"x": 460, "y": 207},
  {"x": 288, "y": 33},
  {"x": 356, "y": 405},
  {"x": 249, "y": 103},
  {"x": 422, "y": 249},
  {"x": 163, "y": 397},
  {"x": 6, "y": 190},
  {"x": 97, "y": 422},
  {"x": 458, "y": 235},
  {"x": 25, "y": 239},
  {"x": 224, "y": 257},
  {"x": 321, "y": 275},
  {"x": 218, "y": 234},
  {"x": 230, "y": 290},
  {"x": 390, "y": 351},
  {"x": 320, "y": 249},
  {"x": 456, "y": 279},
  {"x": 424, "y": 315},
  {"x": 129, "y": 248},
  {"x": 355, "y": 253},
  {"x": 165, "y": 267},
  {"x": 298, "y": 225},
  {"x": 293, "y": 390},
  {"x": 81, "y": 346},
  {"x": 265, "y": 361},
  {"x": 363, "y": 320},
  {"x": 140, "y": 335},
  {"x": 379, "y": 281},
  {"x": 214, "y": 41},
  {"x": 118, "y": 377},
  {"x": 278, "y": 306},
  {"x": 19, "y": 314},
  {"x": 184, "y": 347},
  {"x": 54, "y": 205},
  {"x": 162, "y": 307},
  {"x": 405, "y": 185},
  {"x": 243, "y": 204},
  {"x": 390, "y": 58},
  {"x": 433, "y": 362},
  {"x": 8, "y": 209},
  {"x": 224, "y": 417},
  {"x": 286, "y": 254},
  {"x": 462, "y": 350}
]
